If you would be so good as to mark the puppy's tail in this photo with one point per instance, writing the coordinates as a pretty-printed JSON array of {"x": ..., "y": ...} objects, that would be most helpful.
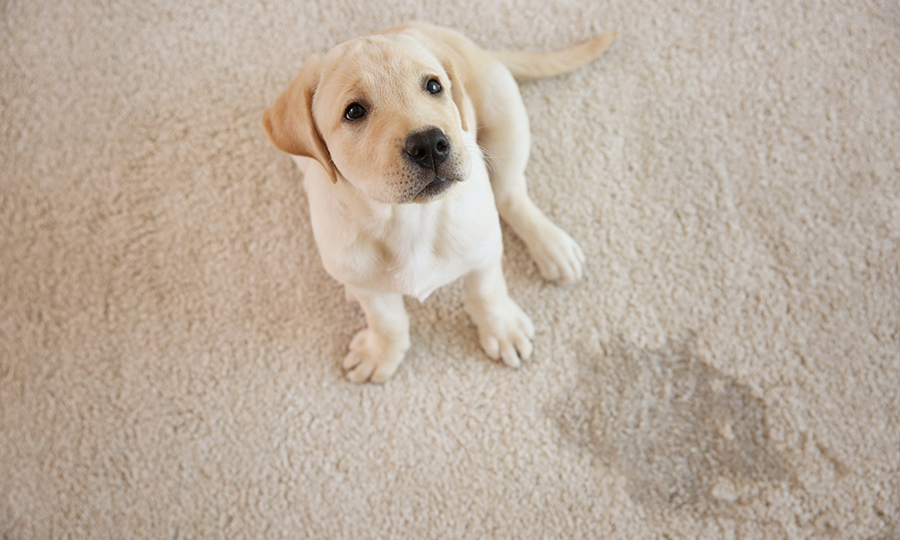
[{"x": 527, "y": 65}]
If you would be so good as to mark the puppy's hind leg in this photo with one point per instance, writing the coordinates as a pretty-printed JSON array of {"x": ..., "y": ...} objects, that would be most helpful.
[
  {"x": 507, "y": 140},
  {"x": 377, "y": 350}
]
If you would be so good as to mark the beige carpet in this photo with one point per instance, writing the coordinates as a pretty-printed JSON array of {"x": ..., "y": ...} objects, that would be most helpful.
[{"x": 730, "y": 368}]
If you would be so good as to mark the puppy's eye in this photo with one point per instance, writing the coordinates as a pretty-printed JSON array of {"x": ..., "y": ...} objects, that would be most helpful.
[
  {"x": 433, "y": 86},
  {"x": 354, "y": 111}
]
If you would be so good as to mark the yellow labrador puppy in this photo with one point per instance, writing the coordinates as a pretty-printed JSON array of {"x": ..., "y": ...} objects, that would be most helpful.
[{"x": 391, "y": 131}]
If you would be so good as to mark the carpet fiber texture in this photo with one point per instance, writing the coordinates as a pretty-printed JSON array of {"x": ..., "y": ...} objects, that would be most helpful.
[{"x": 729, "y": 368}]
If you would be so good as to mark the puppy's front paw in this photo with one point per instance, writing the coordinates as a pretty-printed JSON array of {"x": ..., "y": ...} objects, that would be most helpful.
[
  {"x": 372, "y": 358},
  {"x": 506, "y": 333},
  {"x": 557, "y": 255}
]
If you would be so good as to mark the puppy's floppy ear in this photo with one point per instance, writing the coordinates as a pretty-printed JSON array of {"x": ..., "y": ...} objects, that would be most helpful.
[
  {"x": 458, "y": 71},
  {"x": 289, "y": 121},
  {"x": 456, "y": 67}
]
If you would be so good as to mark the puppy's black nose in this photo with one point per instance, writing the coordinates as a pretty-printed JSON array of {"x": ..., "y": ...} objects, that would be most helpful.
[{"x": 428, "y": 148}]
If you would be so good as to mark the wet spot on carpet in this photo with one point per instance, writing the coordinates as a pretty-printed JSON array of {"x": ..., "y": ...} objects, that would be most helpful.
[{"x": 680, "y": 431}]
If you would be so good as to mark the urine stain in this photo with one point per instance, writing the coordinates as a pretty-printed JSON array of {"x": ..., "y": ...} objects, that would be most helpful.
[{"x": 680, "y": 431}]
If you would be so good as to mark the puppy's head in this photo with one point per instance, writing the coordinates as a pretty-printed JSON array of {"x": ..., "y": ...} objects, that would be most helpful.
[{"x": 385, "y": 112}]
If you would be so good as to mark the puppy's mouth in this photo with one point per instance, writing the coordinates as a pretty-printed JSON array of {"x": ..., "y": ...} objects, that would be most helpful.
[{"x": 434, "y": 188}]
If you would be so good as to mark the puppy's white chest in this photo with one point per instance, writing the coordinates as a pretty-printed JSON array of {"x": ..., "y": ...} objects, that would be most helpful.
[
  {"x": 411, "y": 249},
  {"x": 419, "y": 255}
]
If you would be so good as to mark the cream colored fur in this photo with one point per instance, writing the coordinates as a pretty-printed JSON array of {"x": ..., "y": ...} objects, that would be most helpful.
[{"x": 379, "y": 230}]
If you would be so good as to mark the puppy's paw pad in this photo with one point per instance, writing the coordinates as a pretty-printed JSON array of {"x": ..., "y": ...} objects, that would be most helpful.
[
  {"x": 507, "y": 335},
  {"x": 371, "y": 358},
  {"x": 558, "y": 256}
]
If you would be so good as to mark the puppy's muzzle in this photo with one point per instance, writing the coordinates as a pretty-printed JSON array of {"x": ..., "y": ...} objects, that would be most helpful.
[{"x": 428, "y": 148}]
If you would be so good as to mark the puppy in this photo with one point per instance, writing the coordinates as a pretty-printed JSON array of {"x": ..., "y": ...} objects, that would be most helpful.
[{"x": 391, "y": 132}]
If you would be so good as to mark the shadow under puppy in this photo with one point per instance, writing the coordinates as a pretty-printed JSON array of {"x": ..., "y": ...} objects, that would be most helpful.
[{"x": 390, "y": 131}]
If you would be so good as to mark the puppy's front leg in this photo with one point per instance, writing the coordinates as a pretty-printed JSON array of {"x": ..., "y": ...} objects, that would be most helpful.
[
  {"x": 377, "y": 350},
  {"x": 505, "y": 331}
]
